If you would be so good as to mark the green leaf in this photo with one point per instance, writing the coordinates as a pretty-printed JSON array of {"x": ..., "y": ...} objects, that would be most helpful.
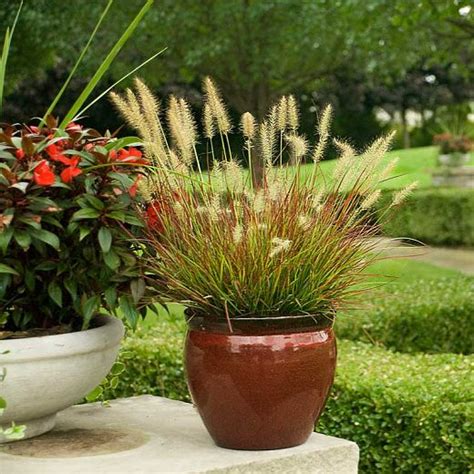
[
  {"x": 105, "y": 65},
  {"x": 84, "y": 232},
  {"x": 94, "y": 201},
  {"x": 105, "y": 239},
  {"x": 112, "y": 260},
  {"x": 117, "y": 215},
  {"x": 71, "y": 286},
  {"x": 110, "y": 296},
  {"x": 6, "y": 269},
  {"x": 137, "y": 287},
  {"x": 89, "y": 308},
  {"x": 45, "y": 266},
  {"x": 30, "y": 280},
  {"x": 21, "y": 186},
  {"x": 87, "y": 213},
  {"x": 47, "y": 237},
  {"x": 6, "y": 50},
  {"x": 133, "y": 71},
  {"x": 129, "y": 311},
  {"x": 94, "y": 394},
  {"x": 56, "y": 294},
  {"x": 22, "y": 238},
  {"x": 76, "y": 65},
  {"x": 5, "y": 237}
]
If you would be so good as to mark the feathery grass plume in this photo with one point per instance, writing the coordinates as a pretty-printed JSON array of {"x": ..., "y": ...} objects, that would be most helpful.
[
  {"x": 304, "y": 222},
  {"x": 182, "y": 128},
  {"x": 315, "y": 199},
  {"x": 234, "y": 176},
  {"x": 323, "y": 133},
  {"x": 151, "y": 110},
  {"x": 292, "y": 113},
  {"x": 127, "y": 112},
  {"x": 216, "y": 106},
  {"x": 214, "y": 208},
  {"x": 298, "y": 146},
  {"x": 371, "y": 199},
  {"x": 237, "y": 234},
  {"x": 282, "y": 115},
  {"x": 371, "y": 160},
  {"x": 248, "y": 125},
  {"x": 208, "y": 122},
  {"x": 387, "y": 171},
  {"x": 145, "y": 189},
  {"x": 345, "y": 161},
  {"x": 401, "y": 195},
  {"x": 266, "y": 141},
  {"x": 272, "y": 117},
  {"x": 279, "y": 245},
  {"x": 258, "y": 203}
]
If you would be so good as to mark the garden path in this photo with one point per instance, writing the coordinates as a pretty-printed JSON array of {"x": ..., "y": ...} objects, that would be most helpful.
[{"x": 461, "y": 259}]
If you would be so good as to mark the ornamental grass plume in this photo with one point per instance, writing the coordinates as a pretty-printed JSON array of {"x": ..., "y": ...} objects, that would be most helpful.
[{"x": 296, "y": 244}]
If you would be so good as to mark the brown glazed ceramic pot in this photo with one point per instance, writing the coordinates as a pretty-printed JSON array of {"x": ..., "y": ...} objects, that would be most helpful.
[{"x": 259, "y": 388}]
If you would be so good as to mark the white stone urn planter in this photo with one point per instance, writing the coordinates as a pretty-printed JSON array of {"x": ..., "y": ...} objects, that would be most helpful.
[
  {"x": 47, "y": 374},
  {"x": 453, "y": 159}
]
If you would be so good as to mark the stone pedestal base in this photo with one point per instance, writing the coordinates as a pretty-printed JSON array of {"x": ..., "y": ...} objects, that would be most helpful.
[
  {"x": 460, "y": 177},
  {"x": 148, "y": 434}
]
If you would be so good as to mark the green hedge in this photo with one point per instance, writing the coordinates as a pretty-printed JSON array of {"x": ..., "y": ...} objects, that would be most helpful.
[
  {"x": 408, "y": 413},
  {"x": 437, "y": 216},
  {"x": 426, "y": 316}
]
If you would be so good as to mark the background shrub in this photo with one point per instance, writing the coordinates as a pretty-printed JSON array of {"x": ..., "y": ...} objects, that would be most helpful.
[
  {"x": 424, "y": 316},
  {"x": 408, "y": 413},
  {"x": 438, "y": 216}
]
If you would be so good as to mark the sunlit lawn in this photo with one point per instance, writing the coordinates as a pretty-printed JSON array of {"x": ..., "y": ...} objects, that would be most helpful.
[{"x": 415, "y": 164}]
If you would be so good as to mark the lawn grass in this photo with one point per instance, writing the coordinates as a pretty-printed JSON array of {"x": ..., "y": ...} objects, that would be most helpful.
[{"x": 415, "y": 164}]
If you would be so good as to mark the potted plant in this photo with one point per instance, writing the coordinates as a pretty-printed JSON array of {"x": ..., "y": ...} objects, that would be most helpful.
[
  {"x": 454, "y": 148},
  {"x": 67, "y": 265},
  {"x": 262, "y": 266}
]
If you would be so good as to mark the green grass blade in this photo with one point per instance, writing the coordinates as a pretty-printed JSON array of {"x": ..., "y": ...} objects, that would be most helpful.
[
  {"x": 5, "y": 52},
  {"x": 133, "y": 71},
  {"x": 78, "y": 62},
  {"x": 105, "y": 65}
]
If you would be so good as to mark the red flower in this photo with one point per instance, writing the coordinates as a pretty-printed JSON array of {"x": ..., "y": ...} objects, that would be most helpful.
[
  {"x": 133, "y": 188},
  {"x": 65, "y": 160},
  {"x": 20, "y": 154},
  {"x": 132, "y": 156},
  {"x": 43, "y": 175},
  {"x": 153, "y": 218},
  {"x": 69, "y": 173}
]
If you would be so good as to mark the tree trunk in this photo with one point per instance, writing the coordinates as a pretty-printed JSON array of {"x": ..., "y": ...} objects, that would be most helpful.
[{"x": 405, "y": 131}]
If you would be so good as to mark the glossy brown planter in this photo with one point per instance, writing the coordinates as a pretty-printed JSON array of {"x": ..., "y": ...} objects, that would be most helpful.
[{"x": 264, "y": 390}]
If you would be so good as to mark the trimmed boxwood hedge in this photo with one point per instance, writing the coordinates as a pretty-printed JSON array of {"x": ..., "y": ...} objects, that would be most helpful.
[
  {"x": 437, "y": 216},
  {"x": 408, "y": 413},
  {"x": 425, "y": 316}
]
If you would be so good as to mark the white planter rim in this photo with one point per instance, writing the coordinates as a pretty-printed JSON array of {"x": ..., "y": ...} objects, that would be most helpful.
[{"x": 108, "y": 334}]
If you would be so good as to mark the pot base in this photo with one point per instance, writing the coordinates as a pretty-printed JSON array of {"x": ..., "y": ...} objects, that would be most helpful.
[{"x": 33, "y": 428}]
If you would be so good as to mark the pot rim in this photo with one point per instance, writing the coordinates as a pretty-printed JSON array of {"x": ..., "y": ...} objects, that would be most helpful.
[
  {"x": 259, "y": 326},
  {"x": 108, "y": 334}
]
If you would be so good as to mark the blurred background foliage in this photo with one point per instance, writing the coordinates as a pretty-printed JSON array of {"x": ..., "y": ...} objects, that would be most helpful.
[{"x": 379, "y": 62}]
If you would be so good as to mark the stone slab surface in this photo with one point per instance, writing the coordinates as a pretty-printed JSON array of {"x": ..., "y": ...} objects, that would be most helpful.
[{"x": 147, "y": 434}]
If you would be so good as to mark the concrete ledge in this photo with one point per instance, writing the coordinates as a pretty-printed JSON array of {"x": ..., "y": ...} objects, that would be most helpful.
[{"x": 149, "y": 434}]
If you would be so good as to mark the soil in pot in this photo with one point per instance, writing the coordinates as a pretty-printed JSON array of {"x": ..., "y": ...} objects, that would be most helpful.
[{"x": 259, "y": 388}]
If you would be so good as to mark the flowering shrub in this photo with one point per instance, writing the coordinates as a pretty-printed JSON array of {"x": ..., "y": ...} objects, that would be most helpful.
[
  {"x": 66, "y": 210},
  {"x": 230, "y": 247},
  {"x": 450, "y": 143}
]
